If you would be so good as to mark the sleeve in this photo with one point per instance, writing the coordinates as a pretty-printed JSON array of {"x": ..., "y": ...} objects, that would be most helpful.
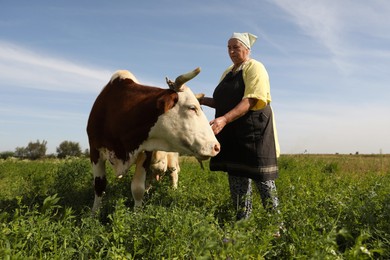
[{"x": 257, "y": 84}]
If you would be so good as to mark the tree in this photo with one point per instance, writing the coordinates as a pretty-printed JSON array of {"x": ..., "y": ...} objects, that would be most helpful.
[
  {"x": 33, "y": 151},
  {"x": 20, "y": 152},
  {"x": 86, "y": 153},
  {"x": 6, "y": 154},
  {"x": 36, "y": 150},
  {"x": 68, "y": 148}
]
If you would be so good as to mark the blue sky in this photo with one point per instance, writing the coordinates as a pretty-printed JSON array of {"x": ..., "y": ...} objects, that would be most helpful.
[{"x": 328, "y": 61}]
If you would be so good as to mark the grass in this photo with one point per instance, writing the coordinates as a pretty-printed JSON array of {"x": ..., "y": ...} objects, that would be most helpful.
[{"x": 333, "y": 207}]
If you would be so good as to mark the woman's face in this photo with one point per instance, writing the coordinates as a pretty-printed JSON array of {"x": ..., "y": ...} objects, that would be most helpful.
[{"x": 238, "y": 53}]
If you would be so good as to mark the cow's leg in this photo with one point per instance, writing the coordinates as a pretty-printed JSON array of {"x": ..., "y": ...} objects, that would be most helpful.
[
  {"x": 138, "y": 182},
  {"x": 100, "y": 183},
  {"x": 173, "y": 167},
  {"x": 174, "y": 176}
]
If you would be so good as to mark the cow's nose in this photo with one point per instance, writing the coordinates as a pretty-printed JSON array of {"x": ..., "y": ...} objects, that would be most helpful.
[{"x": 217, "y": 148}]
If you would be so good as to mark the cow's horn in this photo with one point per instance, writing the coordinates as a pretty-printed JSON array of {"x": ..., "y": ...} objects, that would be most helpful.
[{"x": 180, "y": 80}]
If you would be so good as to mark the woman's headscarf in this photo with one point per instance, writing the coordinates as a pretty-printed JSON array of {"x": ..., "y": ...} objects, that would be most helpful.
[{"x": 247, "y": 39}]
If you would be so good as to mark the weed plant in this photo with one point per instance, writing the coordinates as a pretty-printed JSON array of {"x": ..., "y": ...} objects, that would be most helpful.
[{"x": 332, "y": 207}]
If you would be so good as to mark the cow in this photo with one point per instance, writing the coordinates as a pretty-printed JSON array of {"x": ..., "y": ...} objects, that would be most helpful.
[
  {"x": 161, "y": 163},
  {"x": 129, "y": 119}
]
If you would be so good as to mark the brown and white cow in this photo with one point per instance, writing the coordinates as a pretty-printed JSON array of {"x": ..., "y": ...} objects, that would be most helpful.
[
  {"x": 128, "y": 119},
  {"x": 162, "y": 163}
]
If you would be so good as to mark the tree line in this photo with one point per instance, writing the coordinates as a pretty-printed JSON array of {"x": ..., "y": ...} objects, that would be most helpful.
[{"x": 37, "y": 150}]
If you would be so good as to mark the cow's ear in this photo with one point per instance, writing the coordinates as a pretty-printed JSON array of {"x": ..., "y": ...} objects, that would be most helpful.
[
  {"x": 199, "y": 96},
  {"x": 167, "y": 101}
]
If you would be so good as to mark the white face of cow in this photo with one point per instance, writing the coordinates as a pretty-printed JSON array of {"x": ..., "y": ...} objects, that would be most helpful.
[{"x": 185, "y": 129}]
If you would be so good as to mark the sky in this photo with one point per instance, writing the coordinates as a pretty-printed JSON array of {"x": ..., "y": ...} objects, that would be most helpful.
[{"x": 328, "y": 62}]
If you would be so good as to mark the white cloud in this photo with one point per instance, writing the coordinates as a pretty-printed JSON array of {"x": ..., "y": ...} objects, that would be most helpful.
[
  {"x": 316, "y": 18},
  {"x": 20, "y": 66},
  {"x": 344, "y": 28}
]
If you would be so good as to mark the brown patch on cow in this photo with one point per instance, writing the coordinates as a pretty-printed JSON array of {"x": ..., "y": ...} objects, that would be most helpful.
[
  {"x": 123, "y": 114},
  {"x": 94, "y": 155},
  {"x": 100, "y": 185},
  {"x": 167, "y": 102},
  {"x": 146, "y": 165},
  {"x": 148, "y": 159}
]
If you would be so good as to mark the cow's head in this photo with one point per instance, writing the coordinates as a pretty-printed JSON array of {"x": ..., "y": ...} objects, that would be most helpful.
[{"x": 185, "y": 126}]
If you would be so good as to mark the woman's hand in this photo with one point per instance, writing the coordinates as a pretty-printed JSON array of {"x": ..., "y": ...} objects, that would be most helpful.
[{"x": 218, "y": 124}]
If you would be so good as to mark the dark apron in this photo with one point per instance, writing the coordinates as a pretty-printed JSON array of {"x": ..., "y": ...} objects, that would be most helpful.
[{"x": 248, "y": 143}]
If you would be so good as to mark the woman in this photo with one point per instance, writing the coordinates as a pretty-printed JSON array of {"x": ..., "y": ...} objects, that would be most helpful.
[{"x": 244, "y": 125}]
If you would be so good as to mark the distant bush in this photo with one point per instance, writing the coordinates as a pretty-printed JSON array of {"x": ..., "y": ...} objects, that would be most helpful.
[
  {"x": 68, "y": 148},
  {"x": 6, "y": 154},
  {"x": 33, "y": 151}
]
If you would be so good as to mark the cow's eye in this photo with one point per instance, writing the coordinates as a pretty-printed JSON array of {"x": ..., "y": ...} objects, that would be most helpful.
[{"x": 193, "y": 108}]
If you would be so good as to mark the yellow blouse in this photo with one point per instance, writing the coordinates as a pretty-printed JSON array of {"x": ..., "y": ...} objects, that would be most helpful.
[{"x": 256, "y": 82}]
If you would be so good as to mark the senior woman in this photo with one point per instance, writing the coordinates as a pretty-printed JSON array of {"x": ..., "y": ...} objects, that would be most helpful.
[{"x": 244, "y": 125}]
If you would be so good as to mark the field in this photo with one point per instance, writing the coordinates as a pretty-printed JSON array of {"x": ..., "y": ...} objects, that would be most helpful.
[{"x": 332, "y": 206}]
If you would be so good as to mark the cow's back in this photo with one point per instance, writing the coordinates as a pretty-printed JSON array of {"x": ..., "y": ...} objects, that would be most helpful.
[{"x": 123, "y": 115}]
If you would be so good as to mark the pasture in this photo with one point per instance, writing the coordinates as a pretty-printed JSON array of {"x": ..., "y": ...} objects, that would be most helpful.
[{"x": 333, "y": 207}]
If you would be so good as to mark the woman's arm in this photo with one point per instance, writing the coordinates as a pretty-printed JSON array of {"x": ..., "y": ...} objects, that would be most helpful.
[
  {"x": 207, "y": 101},
  {"x": 238, "y": 111}
]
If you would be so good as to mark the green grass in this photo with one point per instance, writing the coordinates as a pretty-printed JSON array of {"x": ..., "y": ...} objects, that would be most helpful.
[{"x": 333, "y": 207}]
